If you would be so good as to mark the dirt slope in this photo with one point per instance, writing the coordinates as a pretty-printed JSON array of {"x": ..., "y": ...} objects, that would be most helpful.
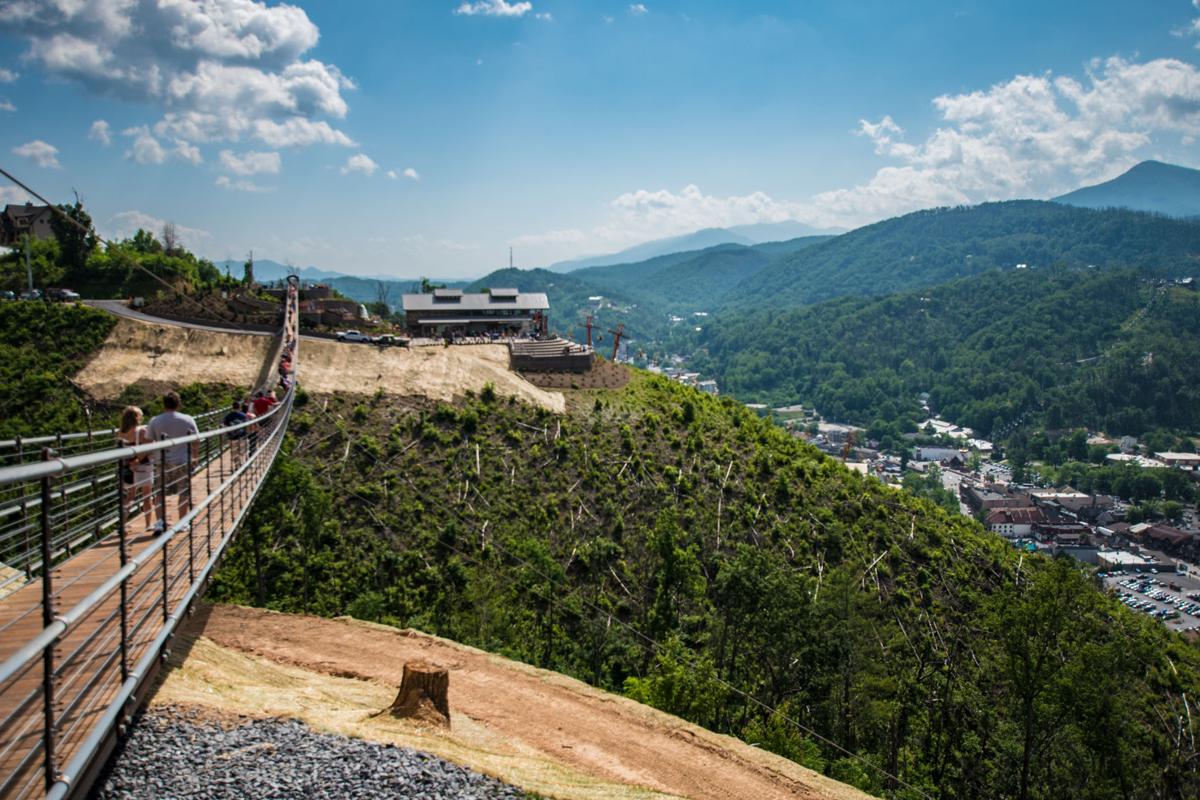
[
  {"x": 537, "y": 729},
  {"x": 171, "y": 354},
  {"x": 439, "y": 373}
]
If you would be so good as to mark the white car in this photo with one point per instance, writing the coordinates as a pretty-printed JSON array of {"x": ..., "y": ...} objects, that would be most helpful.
[{"x": 352, "y": 336}]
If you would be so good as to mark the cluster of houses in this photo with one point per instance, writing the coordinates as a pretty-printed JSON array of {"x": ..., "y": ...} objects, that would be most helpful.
[{"x": 1089, "y": 527}]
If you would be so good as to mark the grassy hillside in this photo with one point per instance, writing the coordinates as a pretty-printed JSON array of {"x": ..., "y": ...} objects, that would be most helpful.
[
  {"x": 1069, "y": 344},
  {"x": 678, "y": 548},
  {"x": 931, "y": 247}
]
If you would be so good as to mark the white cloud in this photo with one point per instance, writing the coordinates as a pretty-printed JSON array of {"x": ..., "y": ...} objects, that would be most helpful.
[
  {"x": 642, "y": 215},
  {"x": 360, "y": 163},
  {"x": 494, "y": 8},
  {"x": 14, "y": 194},
  {"x": 219, "y": 70},
  {"x": 1192, "y": 28},
  {"x": 250, "y": 162},
  {"x": 7, "y": 75},
  {"x": 187, "y": 152},
  {"x": 126, "y": 224},
  {"x": 145, "y": 148},
  {"x": 1033, "y": 135},
  {"x": 7, "y": 106},
  {"x": 41, "y": 153},
  {"x": 544, "y": 16},
  {"x": 100, "y": 132},
  {"x": 409, "y": 173},
  {"x": 637, "y": 9},
  {"x": 224, "y": 182}
]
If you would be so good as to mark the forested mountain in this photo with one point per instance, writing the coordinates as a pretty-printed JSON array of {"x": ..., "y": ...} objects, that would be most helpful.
[
  {"x": 692, "y": 281},
  {"x": 1149, "y": 186},
  {"x": 676, "y": 547},
  {"x": 931, "y": 247},
  {"x": 644, "y": 294},
  {"x": 1108, "y": 349}
]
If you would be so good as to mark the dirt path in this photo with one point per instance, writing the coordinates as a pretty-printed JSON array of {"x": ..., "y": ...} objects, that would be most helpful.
[
  {"x": 177, "y": 355},
  {"x": 534, "y": 728}
]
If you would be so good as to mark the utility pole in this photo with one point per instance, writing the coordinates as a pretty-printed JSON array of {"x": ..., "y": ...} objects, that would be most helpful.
[
  {"x": 28, "y": 266},
  {"x": 510, "y": 257}
]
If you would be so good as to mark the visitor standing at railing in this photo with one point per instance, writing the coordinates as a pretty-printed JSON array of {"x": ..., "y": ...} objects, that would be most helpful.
[
  {"x": 137, "y": 476},
  {"x": 237, "y": 439},
  {"x": 172, "y": 424}
]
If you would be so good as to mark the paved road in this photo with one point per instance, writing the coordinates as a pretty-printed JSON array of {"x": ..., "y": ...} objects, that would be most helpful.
[{"x": 119, "y": 308}]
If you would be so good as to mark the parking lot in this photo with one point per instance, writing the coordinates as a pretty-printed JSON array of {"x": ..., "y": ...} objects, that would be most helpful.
[{"x": 1151, "y": 593}]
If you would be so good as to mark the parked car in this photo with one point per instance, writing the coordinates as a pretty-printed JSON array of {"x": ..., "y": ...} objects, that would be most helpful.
[
  {"x": 32, "y": 294},
  {"x": 352, "y": 336},
  {"x": 7, "y": 295},
  {"x": 62, "y": 295}
]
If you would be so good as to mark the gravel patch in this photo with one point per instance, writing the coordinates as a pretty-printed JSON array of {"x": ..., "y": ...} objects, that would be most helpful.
[{"x": 174, "y": 753}]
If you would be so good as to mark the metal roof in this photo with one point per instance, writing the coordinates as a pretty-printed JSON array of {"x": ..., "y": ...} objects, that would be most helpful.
[{"x": 480, "y": 301}]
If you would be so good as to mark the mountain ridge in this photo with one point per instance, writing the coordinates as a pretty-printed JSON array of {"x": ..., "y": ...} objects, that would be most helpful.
[{"x": 1152, "y": 186}]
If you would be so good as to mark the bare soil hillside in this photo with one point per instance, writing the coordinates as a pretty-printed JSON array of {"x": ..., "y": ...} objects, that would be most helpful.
[
  {"x": 536, "y": 729},
  {"x": 168, "y": 354}
]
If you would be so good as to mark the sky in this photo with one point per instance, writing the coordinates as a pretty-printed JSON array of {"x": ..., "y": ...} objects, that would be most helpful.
[{"x": 425, "y": 138}]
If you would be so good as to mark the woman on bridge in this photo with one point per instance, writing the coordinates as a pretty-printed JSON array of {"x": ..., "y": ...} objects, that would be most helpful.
[{"x": 137, "y": 474}]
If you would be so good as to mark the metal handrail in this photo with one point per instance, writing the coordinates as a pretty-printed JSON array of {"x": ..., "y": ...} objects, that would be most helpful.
[
  {"x": 22, "y": 473},
  {"x": 152, "y": 587}
]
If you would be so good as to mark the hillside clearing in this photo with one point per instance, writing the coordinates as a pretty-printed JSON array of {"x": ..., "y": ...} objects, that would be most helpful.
[
  {"x": 530, "y": 727},
  {"x": 171, "y": 354}
]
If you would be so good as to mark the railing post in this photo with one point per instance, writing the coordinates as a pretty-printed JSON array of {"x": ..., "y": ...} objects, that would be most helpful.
[
  {"x": 47, "y": 620},
  {"x": 123, "y": 554},
  {"x": 25, "y": 516},
  {"x": 192, "y": 524},
  {"x": 62, "y": 494},
  {"x": 162, "y": 505}
]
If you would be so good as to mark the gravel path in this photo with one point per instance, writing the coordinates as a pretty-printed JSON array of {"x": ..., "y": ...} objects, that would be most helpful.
[{"x": 173, "y": 753}]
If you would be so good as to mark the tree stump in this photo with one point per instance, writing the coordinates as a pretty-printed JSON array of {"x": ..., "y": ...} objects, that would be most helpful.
[{"x": 423, "y": 694}]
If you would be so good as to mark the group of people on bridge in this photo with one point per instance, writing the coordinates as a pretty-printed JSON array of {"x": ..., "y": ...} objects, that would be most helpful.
[{"x": 140, "y": 475}]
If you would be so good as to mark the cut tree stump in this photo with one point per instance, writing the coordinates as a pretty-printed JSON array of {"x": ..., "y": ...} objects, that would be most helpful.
[{"x": 423, "y": 694}]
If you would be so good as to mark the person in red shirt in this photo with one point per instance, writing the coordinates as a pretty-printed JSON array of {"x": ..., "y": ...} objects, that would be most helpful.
[{"x": 261, "y": 404}]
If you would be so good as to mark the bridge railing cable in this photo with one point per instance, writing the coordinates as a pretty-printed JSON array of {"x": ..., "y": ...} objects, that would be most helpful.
[{"x": 88, "y": 618}]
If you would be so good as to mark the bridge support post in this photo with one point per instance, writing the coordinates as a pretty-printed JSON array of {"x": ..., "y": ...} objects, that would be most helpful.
[{"x": 47, "y": 620}]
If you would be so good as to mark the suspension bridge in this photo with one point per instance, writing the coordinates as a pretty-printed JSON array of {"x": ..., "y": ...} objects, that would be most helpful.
[{"x": 90, "y": 595}]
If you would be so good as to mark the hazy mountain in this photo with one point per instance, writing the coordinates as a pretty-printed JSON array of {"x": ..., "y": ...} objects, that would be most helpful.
[
  {"x": 781, "y": 231},
  {"x": 268, "y": 270},
  {"x": 1150, "y": 186},
  {"x": 708, "y": 237}
]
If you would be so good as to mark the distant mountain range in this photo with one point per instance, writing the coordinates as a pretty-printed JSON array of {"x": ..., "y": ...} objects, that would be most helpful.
[
  {"x": 699, "y": 240},
  {"x": 1149, "y": 186}
]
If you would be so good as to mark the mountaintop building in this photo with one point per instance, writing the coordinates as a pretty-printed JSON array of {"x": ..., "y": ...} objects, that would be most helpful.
[{"x": 452, "y": 312}]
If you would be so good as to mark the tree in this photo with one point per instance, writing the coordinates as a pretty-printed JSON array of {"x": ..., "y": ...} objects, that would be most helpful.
[
  {"x": 170, "y": 239},
  {"x": 76, "y": 237},
  {"x": 383, "y": 294}
]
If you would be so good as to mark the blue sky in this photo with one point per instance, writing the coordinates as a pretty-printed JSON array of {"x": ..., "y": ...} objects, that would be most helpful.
[{"x": 425, "y": 138}]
